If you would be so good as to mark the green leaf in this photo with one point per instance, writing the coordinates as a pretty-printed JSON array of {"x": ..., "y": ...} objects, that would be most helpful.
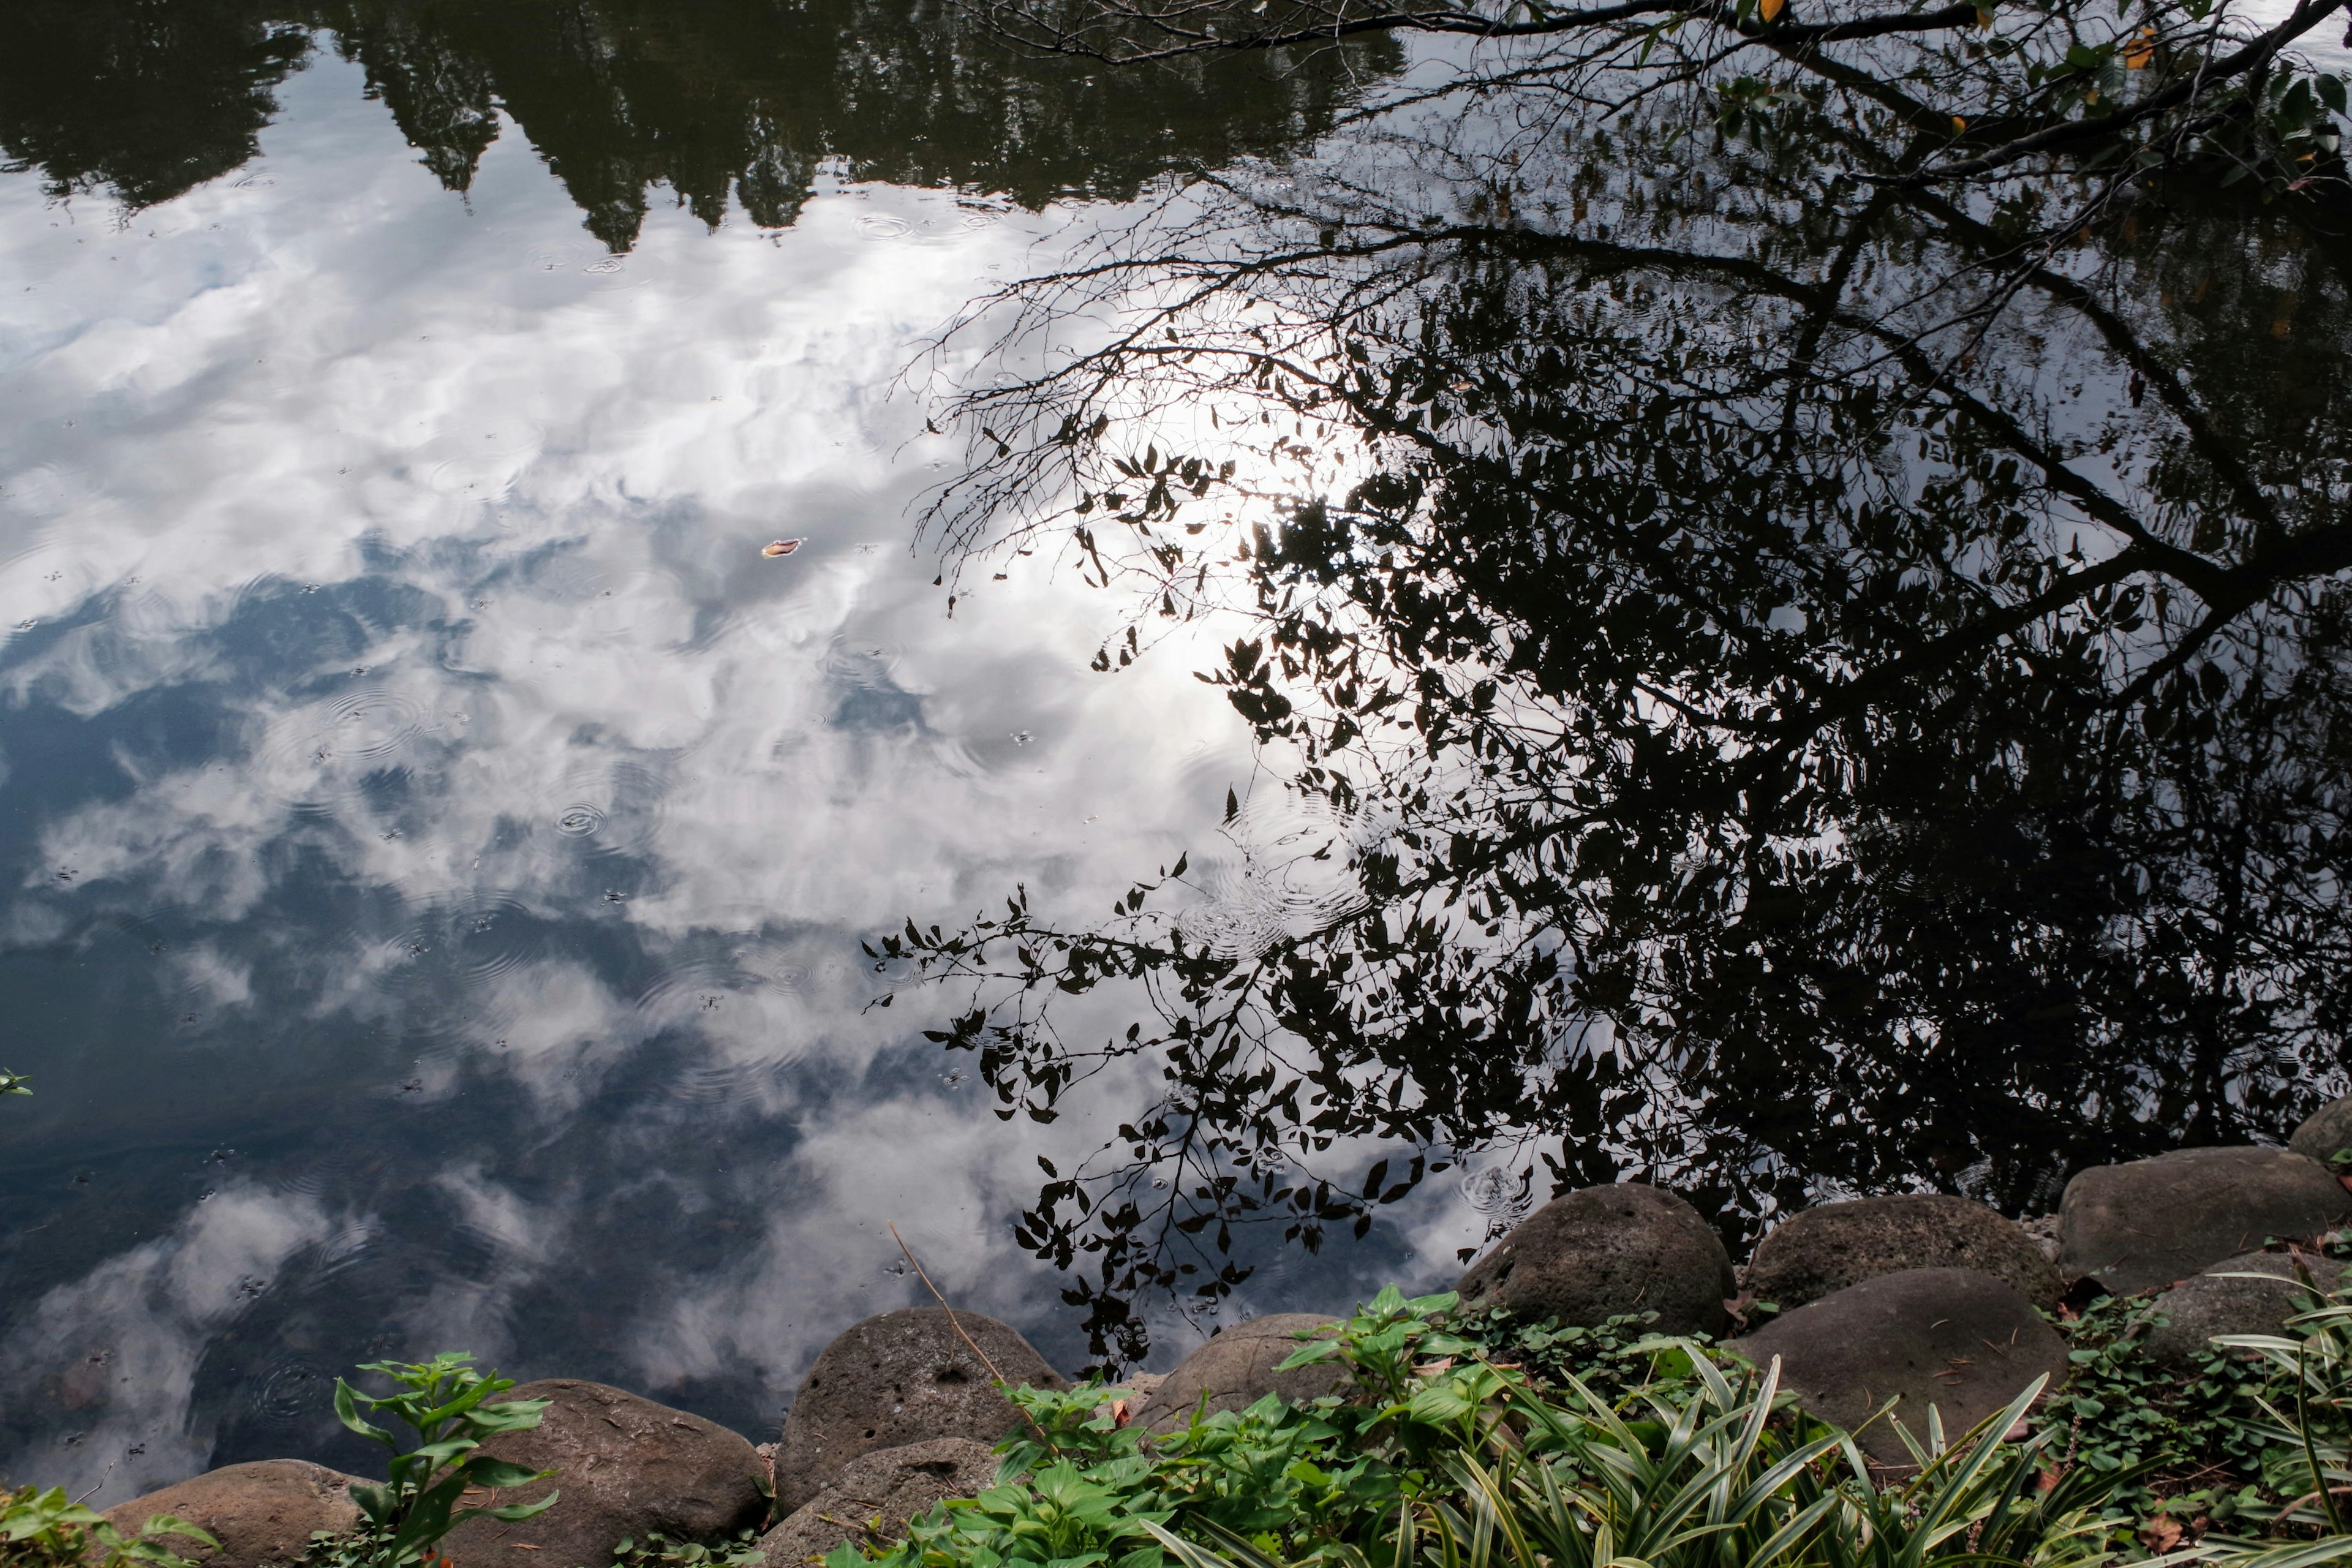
[
  {"x": 347, "y": 1412},
  {"x": 173, "y": 1524},
  {"x": 510, "y": 1512},
  {"x": 500, "y": 1474}
]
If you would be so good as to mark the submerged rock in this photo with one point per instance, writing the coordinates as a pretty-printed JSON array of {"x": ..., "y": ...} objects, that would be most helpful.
[
  {"x": 2151, "y": 1222},
  {"x": 1825, "y": 1249},
  {"x": 261, "y": 1512},
  {"x": 874, "y": 1496},
  {"x": 1962, "y": 1342},
  {"x": 1236, "y": 1369},
  {"x": 626, "y": 1467},
  {"x": 2214, "y": 1303},
  {"x": 899, "y": 1378},
  {"x": 1601, "y": 1252}
]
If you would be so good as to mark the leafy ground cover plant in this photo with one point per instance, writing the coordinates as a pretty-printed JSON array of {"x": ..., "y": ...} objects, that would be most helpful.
[
  {"x": 2195, "y": 1446},
  {"x": 49, "y": 1529},
  {"x": 1614, "y": 1358},
  {"x": 447, "y": 1408},
  {"x": 1666, "y": 1456},
  {"x": 657, "y": 1551},
  {"x": 1478, "y": 1441}
]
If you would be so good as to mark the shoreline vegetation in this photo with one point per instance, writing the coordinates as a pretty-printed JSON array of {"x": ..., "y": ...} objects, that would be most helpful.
[
  {"x": 2069, "y": 1423},
  {"x": 1611, "y": 1444}
]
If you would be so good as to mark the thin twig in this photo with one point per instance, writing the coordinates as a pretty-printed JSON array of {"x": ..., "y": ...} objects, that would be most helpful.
[
  {"x": 94, "y": 1490},
  {"x": 943, "y": 1300},
  {"x": 1043, "y": 1436}
]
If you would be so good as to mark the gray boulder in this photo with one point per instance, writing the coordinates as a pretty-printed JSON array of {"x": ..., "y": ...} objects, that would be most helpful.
[
  {"x": 1602, "y": 1251},
  {"x": 1825, "y": 1249},
  {"x": 261, "y": 1512},
  {"x": 1236, "y": 1369},
  {"x": 2134, "y": 1226},
  {"x": 874, "y": 1496},
  {"x": 2325, "y": 1132},
  {"x": 2212, "y": 1303},
  {"x": 899, "y": 1378},
  {"x": 1965, "y": 1342},
  {"x": 626, "y": 1467}
]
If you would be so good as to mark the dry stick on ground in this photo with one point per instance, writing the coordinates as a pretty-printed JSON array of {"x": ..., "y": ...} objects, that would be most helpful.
[{"x": 967, "y": 1339}]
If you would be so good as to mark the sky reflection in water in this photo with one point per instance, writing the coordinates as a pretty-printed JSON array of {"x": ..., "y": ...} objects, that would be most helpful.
[{"x": 438, "y": 841}]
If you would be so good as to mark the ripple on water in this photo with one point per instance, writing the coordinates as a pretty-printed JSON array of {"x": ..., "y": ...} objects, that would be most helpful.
[
  {"x": 291, "y": 1390},
  {"x": 1289, "y": 873},
  {"x": 1499, "y": 1193},
  {"x": 329, "y": 1174},
  {"x": 569, "y": 577},
  {"x": 320, "y": 755},
  {"x": 609, "y": 807},
  {"x": 443, "y": 963},
  {"x": 252, "y": 593},
  {"x": 683, "y": 990},
  {"x": 746, "y": 1012},
  {"x": 769, "y": 967},
  {"x": 353, "y": 1250},
  {"x": 716, "y": 1085}
]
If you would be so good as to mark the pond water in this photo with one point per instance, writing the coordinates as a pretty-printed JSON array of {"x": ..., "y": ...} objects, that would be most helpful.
[
  {"x": 438, "y": 840},
  {"x": 1716, "y": 662}
]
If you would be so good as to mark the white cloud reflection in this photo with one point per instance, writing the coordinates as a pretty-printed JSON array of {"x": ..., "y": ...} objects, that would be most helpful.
[
  {"x": 116, "y": 1352},
  {"x": 451, "y": 530}
]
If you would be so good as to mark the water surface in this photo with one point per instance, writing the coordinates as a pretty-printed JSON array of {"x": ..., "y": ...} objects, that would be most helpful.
[
  {"x": 1882, "y": 728},
  {"x": 437, "y": 839}
]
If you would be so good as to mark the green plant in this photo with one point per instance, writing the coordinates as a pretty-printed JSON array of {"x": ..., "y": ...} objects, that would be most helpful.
[
  {"x": 1389, "y": 1340},
  {"x": 2309, "y": 1407},
  {"x": 49, "y": 1529},
  {"x": 657, "y": 1551},
  {"x": 1717, "y": 1481},
  {"x": 446, "y": 1404},
  {"x": 1635, "y": 1450},
  {"x": 1620, "y": 1449},
  {"x": 2203, "y": 1447},
  {"x": 1614, "y": 1358}
]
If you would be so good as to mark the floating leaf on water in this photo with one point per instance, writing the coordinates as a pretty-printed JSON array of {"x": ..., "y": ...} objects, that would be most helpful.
[{"x": 781, "y": 546}]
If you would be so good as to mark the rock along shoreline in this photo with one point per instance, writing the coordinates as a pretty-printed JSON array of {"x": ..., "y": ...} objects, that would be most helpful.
[{"x": 1926, "y": 1299}]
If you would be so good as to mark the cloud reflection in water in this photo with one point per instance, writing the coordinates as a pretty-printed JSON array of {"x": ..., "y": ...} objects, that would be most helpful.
[{"x": 438, "y": 840}]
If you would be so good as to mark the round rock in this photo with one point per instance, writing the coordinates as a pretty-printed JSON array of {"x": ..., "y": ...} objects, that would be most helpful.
[
  {"x": 626, "y": 1467},
  {"x": 875, "y": 1496},
  {"x": 2221, "y": 1301},
  {"x": 1236, "y": 1369},
  {"x": 261, "y": 1512},
  {"x": 2326, "y": 1131},
  {"x": 1962, "y": 1342},
  {"x": 902, "y": 1377},
  {"x": 2148, "y": 1223},
  {"x": 1601, "y": 1252},
  {"x": 1823, "y": 1250}
]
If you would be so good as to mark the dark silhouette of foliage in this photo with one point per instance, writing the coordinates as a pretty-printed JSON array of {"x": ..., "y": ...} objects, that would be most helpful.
[{"x": 1815, "y": 676}]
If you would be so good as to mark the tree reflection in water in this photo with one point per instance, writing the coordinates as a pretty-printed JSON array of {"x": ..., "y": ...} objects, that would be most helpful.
[
  {"x": 1819, "y": 678},
  {"x": 740, "y": 99}
]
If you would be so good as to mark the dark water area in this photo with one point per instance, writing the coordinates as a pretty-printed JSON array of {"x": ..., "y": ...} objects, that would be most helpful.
[{"x": 1557, "y": 647}]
